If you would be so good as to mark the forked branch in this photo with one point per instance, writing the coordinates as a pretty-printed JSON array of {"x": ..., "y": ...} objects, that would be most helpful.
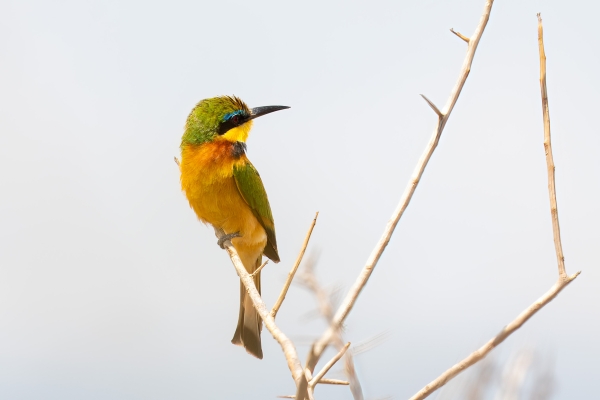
[
  {"x": 289, "y": 350},
  {"x": 309, "y": 279},
  {"x": 563, "y": 278},
  {"x": 328, "y": 366},
  {"x": 321, "y": 344}
]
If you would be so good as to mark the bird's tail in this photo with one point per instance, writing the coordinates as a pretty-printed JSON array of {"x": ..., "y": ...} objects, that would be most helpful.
[{"x": 249, "y": 325}]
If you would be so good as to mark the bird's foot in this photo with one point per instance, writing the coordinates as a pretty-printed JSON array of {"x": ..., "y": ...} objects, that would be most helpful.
[{"x": 224, "y": 238}]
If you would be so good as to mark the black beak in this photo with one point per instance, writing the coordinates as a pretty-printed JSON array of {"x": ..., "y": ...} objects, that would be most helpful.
[{"x": 260, "y": 111}]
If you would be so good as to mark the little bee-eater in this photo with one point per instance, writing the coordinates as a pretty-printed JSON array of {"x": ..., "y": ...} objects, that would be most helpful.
[{"x": 225, "y": 190}]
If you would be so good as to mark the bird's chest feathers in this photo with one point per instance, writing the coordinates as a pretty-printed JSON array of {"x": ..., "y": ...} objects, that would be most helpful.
[
  {"x": 207, "y": 175},
  {"x": 211, "y": 161}
]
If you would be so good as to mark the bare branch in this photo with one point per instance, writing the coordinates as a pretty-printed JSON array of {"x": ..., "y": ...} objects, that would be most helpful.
[
  {"x": 328, "y": 366},
  {"x": 346, "y": 306},
  {"x": 495, "y": 341},
  {"x": 309, "y": 280},
  {"x": 563, "y": 278},
  {"x": 433, "y": 107},
  {"x": 460, "y": 35},
  {"x": 177, "y": 161},
  {"x": 291, "y": 274},
  {"x": 549, "y": 159},
  {"x": 289, "y": 351}
]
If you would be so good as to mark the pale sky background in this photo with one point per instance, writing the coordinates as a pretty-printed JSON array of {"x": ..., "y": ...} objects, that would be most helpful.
[{"x": 111, "y": 289}]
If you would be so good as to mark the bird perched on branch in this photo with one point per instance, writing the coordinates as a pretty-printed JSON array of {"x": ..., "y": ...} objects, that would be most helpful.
[{"x": 225, "y": 190}]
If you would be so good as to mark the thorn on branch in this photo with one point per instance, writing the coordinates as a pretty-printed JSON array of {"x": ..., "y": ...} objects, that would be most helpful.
[
  {"x": 460, "y": 35},
  {"x": 259, "y": 268},
  {"x": 433, "y": 107},
  {"x": 177, "y": 161}
]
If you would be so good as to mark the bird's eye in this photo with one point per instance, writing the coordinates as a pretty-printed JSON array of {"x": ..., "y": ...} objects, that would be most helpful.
[{"x": 235, "y": 119}]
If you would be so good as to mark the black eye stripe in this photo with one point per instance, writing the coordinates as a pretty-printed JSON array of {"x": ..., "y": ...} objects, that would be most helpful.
[{"x": 231, "y": 122}]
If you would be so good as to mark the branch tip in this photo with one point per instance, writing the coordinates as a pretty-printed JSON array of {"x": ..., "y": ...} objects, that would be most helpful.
[
  {"x": 433, "y": 107},
  {"x": 259, "y": 268},
  {"x": 347, "y": 304},
  {"x": 460, "y": 35},
  {"x": 291, "y": 274},
  {"x": 575, "y": 275}
]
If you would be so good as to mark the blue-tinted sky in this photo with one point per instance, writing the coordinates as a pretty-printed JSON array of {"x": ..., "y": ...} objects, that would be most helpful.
[{"x": 111, "y": 289}]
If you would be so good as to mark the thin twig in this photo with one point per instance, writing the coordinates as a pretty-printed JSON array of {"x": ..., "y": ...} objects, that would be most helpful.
[
  {"x": 563, "y": 278},
  {"x": 289, "y": 351},
  {"x": 346, "y": 306},
  {"x": 310, "y": 281},
  {"x": 549, "y": 159},
  {"x": 333, "y": 382},
  {"x": 328, "y": 366},
  {"x": 291, "y": 274},
  {"x": 259, "y": 268},
  {"x": 460, "y": 35}
]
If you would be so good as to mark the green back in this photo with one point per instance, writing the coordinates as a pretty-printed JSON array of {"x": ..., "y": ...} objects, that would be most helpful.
[{"x": 252, "y": 190}]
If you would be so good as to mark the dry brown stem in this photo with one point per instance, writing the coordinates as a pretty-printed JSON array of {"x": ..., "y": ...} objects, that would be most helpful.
[
  {"x": 291, "y": 274},
  {"x": 321, "y": 344},
  {"x": 549, "y": 159},
  {"x": 563, "y": 278}
]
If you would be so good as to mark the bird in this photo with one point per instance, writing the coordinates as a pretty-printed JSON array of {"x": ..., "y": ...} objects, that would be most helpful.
[{"x": 225, "y": 190}]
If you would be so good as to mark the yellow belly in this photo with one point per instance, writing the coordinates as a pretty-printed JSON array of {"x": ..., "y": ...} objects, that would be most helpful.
[{"x": 208, "y": 182}]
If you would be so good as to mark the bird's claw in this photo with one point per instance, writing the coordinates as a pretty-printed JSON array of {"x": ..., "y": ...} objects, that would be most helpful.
[{"x": 224, "y": 238}]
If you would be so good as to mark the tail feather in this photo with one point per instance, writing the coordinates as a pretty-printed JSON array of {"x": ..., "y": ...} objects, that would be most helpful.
[{"x": 249, "y": 325}]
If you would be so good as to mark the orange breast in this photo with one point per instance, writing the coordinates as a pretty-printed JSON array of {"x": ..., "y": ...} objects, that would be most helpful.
[{"x": 208, "y": 182}]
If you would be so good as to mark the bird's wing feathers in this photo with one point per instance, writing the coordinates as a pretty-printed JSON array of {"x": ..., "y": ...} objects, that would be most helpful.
[{"x": 253, "y": 192}]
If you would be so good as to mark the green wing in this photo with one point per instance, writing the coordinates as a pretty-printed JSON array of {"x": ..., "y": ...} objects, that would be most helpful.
[{"x": 252, "y": 190}]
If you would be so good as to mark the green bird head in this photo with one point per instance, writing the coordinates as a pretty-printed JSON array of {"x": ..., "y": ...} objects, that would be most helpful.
[{"x": 226, "y": 117}]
